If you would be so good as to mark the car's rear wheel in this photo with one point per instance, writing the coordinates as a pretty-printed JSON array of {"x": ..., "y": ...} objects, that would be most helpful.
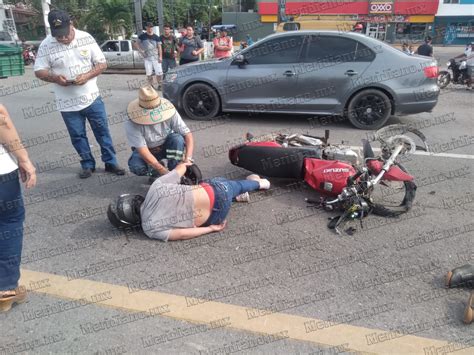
[
  {"x": 444, "y": 78},
  {"x": 369, "y": 109},
  {"x": 201, "y": 102}
]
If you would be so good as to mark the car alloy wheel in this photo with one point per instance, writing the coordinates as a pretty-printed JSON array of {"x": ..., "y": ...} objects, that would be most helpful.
[
  {"x": 369, "y": 109},
  {"x": 201, "y": 102}
]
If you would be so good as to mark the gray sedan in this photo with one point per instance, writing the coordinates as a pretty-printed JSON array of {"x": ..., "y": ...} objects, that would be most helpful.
[{"x": 309, "y": 72}]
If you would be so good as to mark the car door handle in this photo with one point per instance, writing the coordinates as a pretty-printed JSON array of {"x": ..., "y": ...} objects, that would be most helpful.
[
  {"x": 119, "y": 54},
  {"x": 350, "y": 73},
  {"x": 289, "y": 73}
]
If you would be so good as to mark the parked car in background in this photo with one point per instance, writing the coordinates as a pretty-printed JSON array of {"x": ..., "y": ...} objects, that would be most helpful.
[
  {"x": 309, "y": 72},
  {"x": 121, "y": 55}
]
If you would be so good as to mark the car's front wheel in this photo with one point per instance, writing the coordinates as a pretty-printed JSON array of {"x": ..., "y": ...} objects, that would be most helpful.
[
  {"x": 369, "y": 109},
  {"x": 201, "y": 102}
]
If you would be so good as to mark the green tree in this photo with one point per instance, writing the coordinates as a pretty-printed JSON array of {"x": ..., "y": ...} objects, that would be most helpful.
[{"x": 107, "y": 19}]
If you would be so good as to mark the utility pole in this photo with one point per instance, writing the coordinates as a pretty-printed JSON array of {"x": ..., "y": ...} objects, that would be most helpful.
[
  {"x": 138, "y": 6},
  {"x": 210, "y": 14},
  {"x": 45, "y": 11},
  {"x": 159, "y": 9}
]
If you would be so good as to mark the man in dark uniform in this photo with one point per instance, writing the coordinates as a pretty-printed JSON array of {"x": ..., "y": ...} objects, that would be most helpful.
[{"x": 426, "y": 48}]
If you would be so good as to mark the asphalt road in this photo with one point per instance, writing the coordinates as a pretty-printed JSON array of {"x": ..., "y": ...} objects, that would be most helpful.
[{"x": 388, "y": 276}]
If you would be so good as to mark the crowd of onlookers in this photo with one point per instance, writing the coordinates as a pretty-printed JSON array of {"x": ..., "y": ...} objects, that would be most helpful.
[{"x": 165, "y": 52}]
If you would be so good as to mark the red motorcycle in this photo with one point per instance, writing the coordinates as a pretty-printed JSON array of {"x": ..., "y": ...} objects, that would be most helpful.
[
  {"x": 29, "y": 56},
  {"x": 344, "y": 181}
]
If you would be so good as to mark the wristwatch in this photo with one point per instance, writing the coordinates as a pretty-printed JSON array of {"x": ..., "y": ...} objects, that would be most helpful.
[{"x": 190, "y": 159}]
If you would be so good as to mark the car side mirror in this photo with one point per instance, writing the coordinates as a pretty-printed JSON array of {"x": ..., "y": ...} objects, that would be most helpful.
[{"x": 240, "y": 60}]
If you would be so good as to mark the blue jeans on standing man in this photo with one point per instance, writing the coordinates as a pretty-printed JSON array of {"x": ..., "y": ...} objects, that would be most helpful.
[
  {"x": 12, "y": 216},
  {"x": 225, "y": 192},
  {"x": 172, "y": 150},
  {"x": 76, "y": 125}
]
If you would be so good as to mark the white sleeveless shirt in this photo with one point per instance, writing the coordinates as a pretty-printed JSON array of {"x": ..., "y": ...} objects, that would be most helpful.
[{"x": 7, "y": 163}]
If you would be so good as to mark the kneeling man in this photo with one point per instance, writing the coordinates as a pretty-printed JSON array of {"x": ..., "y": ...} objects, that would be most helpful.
[{"x": 156, "y": 131}]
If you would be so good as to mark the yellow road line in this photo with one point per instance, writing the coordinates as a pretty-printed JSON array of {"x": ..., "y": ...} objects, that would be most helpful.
[{"x": 206, "y": 312}]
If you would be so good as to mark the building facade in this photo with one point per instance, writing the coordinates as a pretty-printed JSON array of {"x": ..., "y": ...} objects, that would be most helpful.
[
  {"x": 454, "y": 22},
  {"x": 393, "y": 21}
]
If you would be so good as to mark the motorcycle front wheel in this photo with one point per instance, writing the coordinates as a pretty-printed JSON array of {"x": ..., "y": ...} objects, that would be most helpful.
[
  {"x": 393, "y": 198},
  {"x": 444, "y": 78}
]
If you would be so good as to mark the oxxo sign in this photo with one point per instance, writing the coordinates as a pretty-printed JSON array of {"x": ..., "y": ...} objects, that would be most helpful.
[{"x": 380, "y": 7}]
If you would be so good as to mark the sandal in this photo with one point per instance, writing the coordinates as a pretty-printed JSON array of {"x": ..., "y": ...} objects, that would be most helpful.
[
  {"x": 469, "y": 312},
  {"x": 461, "y": 276},
  {"x": 8, "y": 298}
]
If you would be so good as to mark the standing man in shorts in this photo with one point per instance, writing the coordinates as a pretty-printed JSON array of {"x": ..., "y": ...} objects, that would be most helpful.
[{"x": 150, "y": 48}]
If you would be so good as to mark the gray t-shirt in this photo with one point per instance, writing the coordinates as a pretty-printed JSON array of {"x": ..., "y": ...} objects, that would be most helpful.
[
  {"x": 167, "y": 205},
  {"x": 152, "y": 136},
  {"x": 149, "y": 44},
  {"x": 190, "y": 45}
]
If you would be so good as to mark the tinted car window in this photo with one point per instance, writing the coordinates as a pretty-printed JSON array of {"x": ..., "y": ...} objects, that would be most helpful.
[
  {"x": 336, "y": 49},
  {"x": 111, "y": 47},
  {"x": 275, "y": 51},
  {"x": 363, "y": 53},
  {"x": 124, "y": 47}
]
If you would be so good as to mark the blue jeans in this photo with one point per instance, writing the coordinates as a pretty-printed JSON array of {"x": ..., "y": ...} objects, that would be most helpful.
[
  {"x": 12, "y": 215},
  {"x": 76, "y": 125},
  {"x": 172, "y": 150},
  {"x": 167, "y": 64},
  {"x": 224, "y": 192}
]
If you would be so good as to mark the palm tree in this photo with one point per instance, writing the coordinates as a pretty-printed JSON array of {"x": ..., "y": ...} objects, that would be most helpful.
[{"x": 113, "y": 17}]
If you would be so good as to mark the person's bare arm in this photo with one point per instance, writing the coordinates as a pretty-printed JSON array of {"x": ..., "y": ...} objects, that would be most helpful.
[
  {"x": 48, "y": 76},
  {"x": 96, "y": 70},
  {"x": 160, "y": 51},
  {"x": 11, "y": 141},
  {"x": 189, "y": 141},
  {"x": 190, "y": 233},
  {"x": 150, "y": 159}
]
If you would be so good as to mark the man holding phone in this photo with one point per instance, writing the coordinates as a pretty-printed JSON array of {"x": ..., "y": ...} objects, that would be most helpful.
[{"x": 72, "y": 60}]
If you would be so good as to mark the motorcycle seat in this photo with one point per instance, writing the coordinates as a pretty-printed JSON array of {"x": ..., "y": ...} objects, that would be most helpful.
[{"x": 277, "y": 162}]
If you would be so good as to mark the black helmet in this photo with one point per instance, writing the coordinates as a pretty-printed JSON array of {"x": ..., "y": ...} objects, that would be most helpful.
[{"x": 124, "y": 212}]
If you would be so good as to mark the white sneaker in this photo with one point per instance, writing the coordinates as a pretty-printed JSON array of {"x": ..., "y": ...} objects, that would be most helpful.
[
  {"x": 245, "y": 197},
  {"x": 264, "y": 184}
]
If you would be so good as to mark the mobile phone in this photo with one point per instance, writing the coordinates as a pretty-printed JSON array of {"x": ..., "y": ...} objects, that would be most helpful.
[{"x": 70, "y": 82}]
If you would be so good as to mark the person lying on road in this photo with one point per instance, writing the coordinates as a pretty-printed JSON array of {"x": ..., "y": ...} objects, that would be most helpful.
[{"x": 171, "y": 211}]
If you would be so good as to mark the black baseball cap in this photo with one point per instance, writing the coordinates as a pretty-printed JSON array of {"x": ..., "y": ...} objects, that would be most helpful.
[{"x": 59, "y": 22}]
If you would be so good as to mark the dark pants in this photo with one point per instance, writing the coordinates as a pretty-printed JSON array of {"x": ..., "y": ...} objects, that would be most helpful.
[
  {"x": 76, "y": 125},
  {"x": 12, "y": 215},
  {"x": 224, "y": 192},
  {"x": 172, "y": 150},
  {"x": 167, "y": 64},
  {"x": 183, "y": 61}
]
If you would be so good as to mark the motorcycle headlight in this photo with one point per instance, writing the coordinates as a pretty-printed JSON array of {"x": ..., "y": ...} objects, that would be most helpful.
[
  {"x": 171, "y": 77},
  {"x": 448, "y": 64}
]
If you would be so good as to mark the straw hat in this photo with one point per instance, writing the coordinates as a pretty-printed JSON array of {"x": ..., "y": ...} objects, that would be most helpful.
[{"x": 150, "y": 108}]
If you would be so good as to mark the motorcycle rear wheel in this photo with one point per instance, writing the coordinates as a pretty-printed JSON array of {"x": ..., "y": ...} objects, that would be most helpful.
[{"x": 444, "y": 78}]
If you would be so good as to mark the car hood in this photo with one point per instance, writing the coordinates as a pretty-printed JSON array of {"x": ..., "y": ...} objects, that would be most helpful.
[{"x": 199, "y": 67}]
